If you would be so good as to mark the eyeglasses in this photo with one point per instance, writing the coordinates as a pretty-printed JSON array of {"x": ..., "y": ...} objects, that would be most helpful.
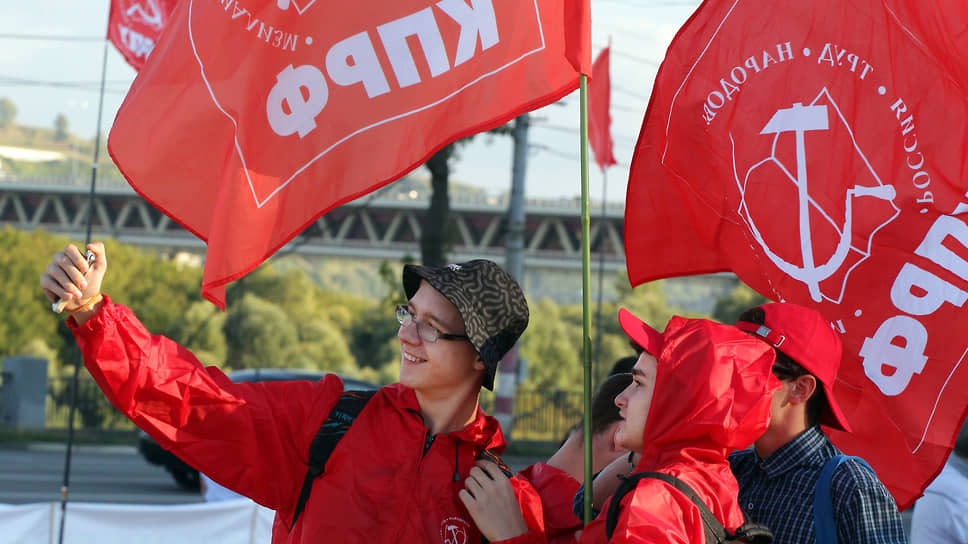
[{"x": 426, "y": 331}]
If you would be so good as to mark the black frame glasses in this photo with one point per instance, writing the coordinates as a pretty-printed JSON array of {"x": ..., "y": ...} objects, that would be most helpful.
[{"x": 425, "y": 330}]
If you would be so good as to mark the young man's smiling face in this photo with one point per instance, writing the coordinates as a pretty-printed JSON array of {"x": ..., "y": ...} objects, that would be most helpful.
[
  {"x": 634, "y": 403},
  {"x": 444, "y": 366}
]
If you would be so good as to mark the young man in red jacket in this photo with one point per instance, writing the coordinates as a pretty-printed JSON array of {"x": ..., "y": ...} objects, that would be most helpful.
[{"x": 393, "y": 477}]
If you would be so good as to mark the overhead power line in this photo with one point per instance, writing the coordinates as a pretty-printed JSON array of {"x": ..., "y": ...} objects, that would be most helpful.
[
  {"x": 51, "y": 37},
  {"x": 571, "y": 156},
  {"x": 628, "y": 92},
  {"x": 574, "y": 131},
  {"x": 636, "y": 58},
  {"x": 628, "y": 109},
  {"x": 93, "y": 86}
]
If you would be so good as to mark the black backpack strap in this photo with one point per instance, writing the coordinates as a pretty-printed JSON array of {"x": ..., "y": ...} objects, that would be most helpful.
[
  {"x": 753, "y": 533},
  {"x": 489, "y": 455},
  {"x": 715, "y": 532},
  {"x": 349, "y": 405}
]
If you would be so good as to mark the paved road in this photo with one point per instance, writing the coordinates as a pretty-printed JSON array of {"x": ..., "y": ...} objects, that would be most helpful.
[{"x": 34, "y": 473}]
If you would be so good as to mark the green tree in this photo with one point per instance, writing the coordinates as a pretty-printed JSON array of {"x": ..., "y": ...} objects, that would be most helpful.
[
  {"x": 728, "y": 308},
  {"x": 552, "y": 347},
  {"x": 390, "y": 276},
  {"x": 552, "y": 344},
  {"x": 373, "y": 337},
  {"x": 200, "y": 330},
  {"x": 8, "y": 112},
  {"x": 60, "y": 127},
  {"x": 646, "y": 301},
  {"x": 258, "y": 334},
  {"x": 158, "y": 291},
  {"x": 322, "y": 346},
  {"x": 28, "y": 318}
]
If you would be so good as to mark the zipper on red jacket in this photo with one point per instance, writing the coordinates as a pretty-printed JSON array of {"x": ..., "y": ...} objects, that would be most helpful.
[
  {"x": 457, "y": 461},
  {"x": 428, "y": 441}
]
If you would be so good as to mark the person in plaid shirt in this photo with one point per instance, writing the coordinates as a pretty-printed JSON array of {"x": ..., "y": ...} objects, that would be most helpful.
[{"x": 778, "y": 475}]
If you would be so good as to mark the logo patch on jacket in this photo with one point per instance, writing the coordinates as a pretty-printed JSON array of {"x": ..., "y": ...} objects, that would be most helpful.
[{"x": 454, "y": 531}]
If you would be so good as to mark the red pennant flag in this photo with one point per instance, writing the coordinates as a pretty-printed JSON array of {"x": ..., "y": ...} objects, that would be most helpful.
[
  {"x": 599, "y": 119},
  {"x": 135, "y": 25},
  {"x": 822, "y": 159},
  {"x": 578, "y": 39},
  {"x": 248, "y": 124}
]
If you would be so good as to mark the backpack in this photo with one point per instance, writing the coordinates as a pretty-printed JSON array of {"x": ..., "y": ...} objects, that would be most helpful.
[
  {"x": 823, "y": 507},
  {"x": 340, "y": 418},
  {"x": 348, "y": 406},
  {"x": 749, "y": 532}
]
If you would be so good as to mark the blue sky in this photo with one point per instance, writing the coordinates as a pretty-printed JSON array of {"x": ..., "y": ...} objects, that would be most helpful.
[{"x": 47, "y": 77}]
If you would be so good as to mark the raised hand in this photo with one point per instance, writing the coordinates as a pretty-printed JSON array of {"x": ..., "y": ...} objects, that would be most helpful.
[{"x": 69, "y": 278}]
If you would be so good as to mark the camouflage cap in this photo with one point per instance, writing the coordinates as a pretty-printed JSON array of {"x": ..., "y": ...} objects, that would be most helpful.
[{"x": 490, "y": 301}]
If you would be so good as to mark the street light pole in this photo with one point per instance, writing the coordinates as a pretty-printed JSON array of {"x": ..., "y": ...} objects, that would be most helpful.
[{"x": 514, "y": 263}]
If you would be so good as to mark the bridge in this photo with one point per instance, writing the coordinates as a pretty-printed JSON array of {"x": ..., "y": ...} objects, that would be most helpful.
[{"x": 385, "y": 225}]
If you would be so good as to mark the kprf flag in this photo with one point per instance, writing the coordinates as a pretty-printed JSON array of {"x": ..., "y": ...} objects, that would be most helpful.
[
  {"x": 822, "y": 158},
  {"x": 135, "y": 25},
  {"x": 252, "y": 119},
  {"x": 599, "y": 118}
]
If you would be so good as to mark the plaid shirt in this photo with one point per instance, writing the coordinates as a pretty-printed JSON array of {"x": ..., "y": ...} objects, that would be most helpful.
[{"x": 778, "y": 492}]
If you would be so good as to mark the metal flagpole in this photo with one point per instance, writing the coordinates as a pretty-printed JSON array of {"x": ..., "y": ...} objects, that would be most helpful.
[
  {"x": 78, "y": 361},
  {"x": 586, "y": 343}
]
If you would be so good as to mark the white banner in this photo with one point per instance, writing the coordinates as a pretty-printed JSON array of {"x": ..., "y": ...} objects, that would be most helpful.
[{"x": 229, "y": 522}]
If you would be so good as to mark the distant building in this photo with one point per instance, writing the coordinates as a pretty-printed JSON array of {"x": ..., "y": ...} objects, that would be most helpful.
[{"x": 30, "y": 155}]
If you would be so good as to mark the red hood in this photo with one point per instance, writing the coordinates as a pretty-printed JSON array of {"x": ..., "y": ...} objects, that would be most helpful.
[{"x": 712, "y": 394}]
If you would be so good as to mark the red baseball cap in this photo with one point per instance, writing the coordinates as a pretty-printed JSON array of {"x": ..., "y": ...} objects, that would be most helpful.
[
  {"x": 803, "y": 335},
  {"x": 645, "y": 336}
]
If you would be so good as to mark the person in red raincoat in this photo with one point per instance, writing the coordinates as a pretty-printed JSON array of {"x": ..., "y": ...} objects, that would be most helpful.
[
  {"x": 707, "y": 394},
  {"x": 394, "y": 476}
]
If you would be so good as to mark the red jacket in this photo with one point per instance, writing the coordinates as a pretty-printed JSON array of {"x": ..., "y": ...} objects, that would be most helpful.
[
  {"x": 557, "y": 490},
  {"x": 712, "y": 395},
  {"x": 388, "y": 480}
]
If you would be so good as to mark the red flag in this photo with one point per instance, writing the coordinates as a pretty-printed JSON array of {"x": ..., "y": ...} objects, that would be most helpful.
[
  {"x": 135, "y": 25},
  {"x": 822, "y": 159},
  {"x": 248, "y": 124},
  {"x": 578, "y": 35},
  {"x": 599, "y": 119}
]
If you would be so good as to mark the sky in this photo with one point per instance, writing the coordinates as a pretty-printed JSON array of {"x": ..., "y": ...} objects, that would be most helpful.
[{"x": 51, "y": 59}]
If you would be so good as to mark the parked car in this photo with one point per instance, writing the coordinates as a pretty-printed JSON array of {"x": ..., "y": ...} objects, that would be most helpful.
[{"x": 183, "y": 473}]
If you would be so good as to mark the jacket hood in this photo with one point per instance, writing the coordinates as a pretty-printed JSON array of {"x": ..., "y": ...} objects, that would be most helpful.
[
  {"x": 712, "y": 394},
  {"x": 484, "y": 431}
]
